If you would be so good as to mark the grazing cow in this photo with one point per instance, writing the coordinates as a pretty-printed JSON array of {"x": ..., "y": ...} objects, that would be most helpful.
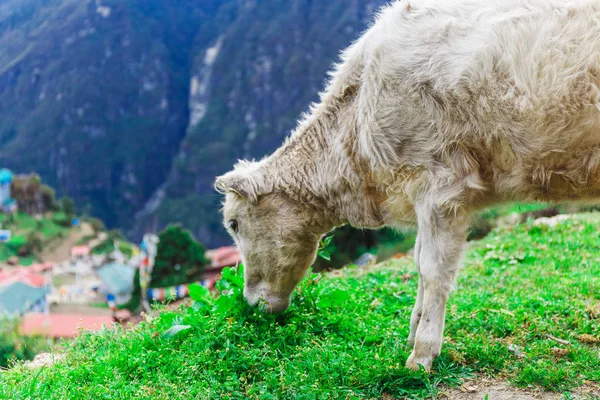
[{"x": 440, "y": 109}]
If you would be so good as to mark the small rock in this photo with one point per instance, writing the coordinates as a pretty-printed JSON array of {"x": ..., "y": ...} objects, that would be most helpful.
[
  {"x": 44, "y": 359},
  {"x": 552, "y": 221},
  {"x": 468, "y": 388},
  {"x": 515, "y": 349},
  {"x": 366, "y": 260}
]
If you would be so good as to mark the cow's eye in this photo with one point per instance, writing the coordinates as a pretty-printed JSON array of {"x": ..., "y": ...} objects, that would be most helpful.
[{"x": 233, "y": 225}]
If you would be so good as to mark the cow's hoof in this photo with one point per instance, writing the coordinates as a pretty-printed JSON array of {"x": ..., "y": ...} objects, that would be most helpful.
[{"x": 413, "y": 362}]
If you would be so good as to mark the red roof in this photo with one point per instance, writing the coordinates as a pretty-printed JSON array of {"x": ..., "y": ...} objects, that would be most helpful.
[
  {"x": 24, "y": 275},
  {"x": 43, "y": 267},
  {"x": 224, "y": 257},
  {"x": 80, "y": 251},
  {"x": 62, "y": 325}
]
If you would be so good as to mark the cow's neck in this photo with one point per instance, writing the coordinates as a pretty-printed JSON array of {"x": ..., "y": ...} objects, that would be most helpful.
[{"x": 318, "y": 167}]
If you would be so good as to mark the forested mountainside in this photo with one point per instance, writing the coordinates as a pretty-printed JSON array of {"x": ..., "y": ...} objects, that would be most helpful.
[{"x": 132, "y": 107}]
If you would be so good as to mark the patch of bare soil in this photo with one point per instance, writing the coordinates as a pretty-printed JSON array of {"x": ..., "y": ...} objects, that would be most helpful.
[
  {"x": 499, "y": 390},
  {"x": 62, "y": 252}
]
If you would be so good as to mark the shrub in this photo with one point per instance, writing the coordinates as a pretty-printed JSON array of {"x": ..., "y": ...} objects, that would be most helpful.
[
  {"x": 15, "y": 243},
  {"x": 35, "y": 244},
  {"x": 62, "y": 221},
  {"x": 67, "y": 205},
  {"x": 48, "y": 198},
  {"x": 9, "y": 220},
  {"x": 24, "y": 251}
]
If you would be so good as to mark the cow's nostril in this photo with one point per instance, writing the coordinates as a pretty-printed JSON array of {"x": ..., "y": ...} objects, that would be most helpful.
[
  {"x": 277, "y": 305},
  {"x": 251, "y": 297}
]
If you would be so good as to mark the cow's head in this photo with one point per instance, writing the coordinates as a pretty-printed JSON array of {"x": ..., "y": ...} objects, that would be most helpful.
[{"x": 278, "y": 237}]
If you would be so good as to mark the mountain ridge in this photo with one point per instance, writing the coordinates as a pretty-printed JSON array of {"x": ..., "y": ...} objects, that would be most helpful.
[{"x": 133, "y": 108}]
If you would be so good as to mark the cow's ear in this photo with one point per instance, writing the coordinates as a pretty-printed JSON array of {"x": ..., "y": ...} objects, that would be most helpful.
[
  {"x": 233, "y": 182},
  {"x": 245, "y": 180}
]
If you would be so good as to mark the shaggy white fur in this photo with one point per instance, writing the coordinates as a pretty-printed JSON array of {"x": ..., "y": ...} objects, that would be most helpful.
[{"x": 439, "y": 109}]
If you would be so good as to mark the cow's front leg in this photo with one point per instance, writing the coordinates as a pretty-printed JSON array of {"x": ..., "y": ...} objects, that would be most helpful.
[{"x": 441, "y": 238}]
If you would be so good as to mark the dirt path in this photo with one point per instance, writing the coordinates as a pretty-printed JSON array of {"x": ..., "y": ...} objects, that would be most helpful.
[
  {"x": 96, "y": 242},
  {"x": 498, "y": 390},
  {"x": 62, "y": 252},
  {"x": 481, "y": 388}
]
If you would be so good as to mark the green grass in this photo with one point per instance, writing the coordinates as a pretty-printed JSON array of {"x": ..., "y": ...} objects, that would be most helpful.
[
  {"x": 521, "y": 285},
  {"x": 345, "y": 334},
  {"x": 63, "y": 280},
  {"x": 108, "y": 246},
  {"x": 11, "y": 248},
  {"x": 22, "y": 225}
]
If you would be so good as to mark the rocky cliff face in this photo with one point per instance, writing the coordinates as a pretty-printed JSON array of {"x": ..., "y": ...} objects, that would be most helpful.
[{"x": 133, "y": 107}]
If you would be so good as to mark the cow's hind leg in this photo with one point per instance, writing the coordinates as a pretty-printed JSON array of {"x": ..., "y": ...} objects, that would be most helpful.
[
  {"x": 441, "y": 238},
  {"x": 416, "y": 313}
]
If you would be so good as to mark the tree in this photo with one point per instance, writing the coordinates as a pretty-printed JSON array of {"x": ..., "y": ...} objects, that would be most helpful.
[
  {"x": 26, "y": 190},
  {"x": 9, "y": 220},
  {"x": 67, "y": 205},
  {"x": 180, "y": 259},
  {"x": 48, "y": 198},
  {"x": 34, "y": 242}
]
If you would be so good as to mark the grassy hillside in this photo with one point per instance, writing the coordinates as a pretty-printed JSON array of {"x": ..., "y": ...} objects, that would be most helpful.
[
  {"x": 52, "y": 228},
  {"x": 522, "y": 288}
]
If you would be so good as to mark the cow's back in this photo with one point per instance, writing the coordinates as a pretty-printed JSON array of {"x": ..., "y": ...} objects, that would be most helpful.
[{"x": 516, "y": 83}]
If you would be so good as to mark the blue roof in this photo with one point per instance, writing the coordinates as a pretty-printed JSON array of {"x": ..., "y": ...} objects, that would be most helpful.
[
  {"x": 18, "y": 298},
  {"x": 5, "y": 176},
  {"x": 118, "y": 278}
]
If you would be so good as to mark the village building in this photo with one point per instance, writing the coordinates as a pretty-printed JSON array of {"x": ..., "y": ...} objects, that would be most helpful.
[
  {"x": 220, "y": 258},
  {"x": 17, "y": 298},
  {"x": 23, "y": 290},
  {"x": 62, "y": 326},
  {"x": 25, "y": 275},
  {"x": 80, "y": 253},
  {"x": 117, "y": 282},
  {"x": 5, "y": 235},
  {"x": 43, "y": 268},
  {"x": 7, "y": 203}
]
